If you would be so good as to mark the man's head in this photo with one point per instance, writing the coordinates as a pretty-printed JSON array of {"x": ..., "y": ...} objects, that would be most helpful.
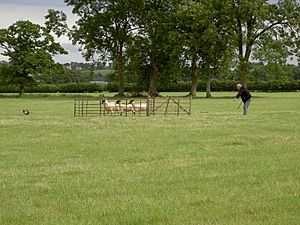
[{"x": 238, "y": 86}]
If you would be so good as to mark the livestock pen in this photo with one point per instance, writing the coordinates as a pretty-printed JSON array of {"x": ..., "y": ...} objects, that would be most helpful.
[{"x": 84, "y": 106}]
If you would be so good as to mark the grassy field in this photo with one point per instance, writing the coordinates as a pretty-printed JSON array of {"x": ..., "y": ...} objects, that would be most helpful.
[{"x": 213, "y": 167}]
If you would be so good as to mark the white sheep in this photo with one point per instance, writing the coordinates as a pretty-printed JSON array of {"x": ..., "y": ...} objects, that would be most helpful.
[
  {"x": 124, "y": 107},
  {"x": 109, "y": 107},
  {"x": 141, "y": 107}
]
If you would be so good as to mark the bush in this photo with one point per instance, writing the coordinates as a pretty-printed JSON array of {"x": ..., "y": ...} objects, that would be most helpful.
[
  {"x": 42, "y": 88},
  {"x": 80, "y": 88},
  {"x": 112, "y": 87},
  {"x": 172, "y": 87},
  {"x": 9, "y": 89},
  {"x": 216, "y": 85},
  {"x": 275, "y": 85},
  {"x": 227, "y": 85},
  {"x": 53, "y": 88}
]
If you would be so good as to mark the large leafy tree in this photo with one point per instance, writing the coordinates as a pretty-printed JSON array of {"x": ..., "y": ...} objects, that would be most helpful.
[
  {"x": 151, "y": 44},
  {"x": 217, "y": 48},
  {"x": 271, "y": 31},
  {"x": 30, "y": 49},
  {"x": 103, "y": 29},
  {"x": 189, "y": 28},
  {"x": 201, "y": 29}
]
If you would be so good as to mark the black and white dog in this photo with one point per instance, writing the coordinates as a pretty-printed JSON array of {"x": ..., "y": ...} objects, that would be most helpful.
[{"x": 25, "y": 112}]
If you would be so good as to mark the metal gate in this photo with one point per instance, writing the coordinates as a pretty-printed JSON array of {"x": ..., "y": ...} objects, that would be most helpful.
[{"x": 84, "y": 107}]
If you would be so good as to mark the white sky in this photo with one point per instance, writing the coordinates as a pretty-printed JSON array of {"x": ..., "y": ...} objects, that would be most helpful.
[{"x": 35, "y": 11}]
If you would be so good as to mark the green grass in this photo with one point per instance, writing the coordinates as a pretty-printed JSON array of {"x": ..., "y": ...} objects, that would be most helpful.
[{"x": 213, "y": 167}]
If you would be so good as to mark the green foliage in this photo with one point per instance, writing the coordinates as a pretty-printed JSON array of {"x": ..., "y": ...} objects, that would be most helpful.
[
  {"x": 56, "y": 21},
  {"x": 9, "y": 88},
  {"x": 55, "y": 88},
  {"x": 269, "y": 31},
  {"x": 103, "y": 28},
  {"x": 275, "y": 85},
  {"x": 151, "y": 42},
  {"x": 80, "y": 88},
  {"x": 135, "y": 88},
  {"x": 4, "y": 74},
  {"x": 272, "y": 71},
  {"x": 30, "y": 48},
  {"x": 152, "y": 53}
]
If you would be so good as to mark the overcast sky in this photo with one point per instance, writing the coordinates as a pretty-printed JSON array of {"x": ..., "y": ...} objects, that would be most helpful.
[{"x": 35, "y": 11}]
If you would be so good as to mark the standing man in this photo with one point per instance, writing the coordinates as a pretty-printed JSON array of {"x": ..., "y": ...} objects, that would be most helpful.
[{"x": 245, "y": 96}]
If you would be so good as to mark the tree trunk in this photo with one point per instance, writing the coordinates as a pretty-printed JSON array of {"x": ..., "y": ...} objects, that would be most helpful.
[
  {"x": 21, "y": 90},
  {"x": 120, "y": 73},
  {"x": 243, "y": 73},
  {"x": 242, "y": 60},
  {"x": 244, "y": 53},
  {"x": 208, "y": 94},
  {"x": 193, "y": 92},
  {"x": 153, "y": 80}
]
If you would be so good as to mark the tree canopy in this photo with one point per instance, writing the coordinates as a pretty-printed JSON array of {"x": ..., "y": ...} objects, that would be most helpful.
[
  {"x": 30, "y": 48},
  {"x": 265, "y": 31},
  {"x": 153, "y": 41},
  {"x": 103, "y": 29}
]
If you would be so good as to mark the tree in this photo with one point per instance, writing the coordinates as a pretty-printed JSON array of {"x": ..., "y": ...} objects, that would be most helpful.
[
  {"x": 201, "y": 26},
  {"x": 30, "y": 48},
  {"x": 64, "y": 75},
  {"x": 4, "y": 73},
  {"x": 188, "y": 30},
  {"x": 260, "y": 26},
  {"x": 103, "y": 29},
  {"x": 216, "y": 42},
  {"x": 151, "y": 43}
]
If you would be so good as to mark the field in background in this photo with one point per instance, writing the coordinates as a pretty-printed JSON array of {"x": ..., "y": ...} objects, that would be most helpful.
[{"x": 213, "y": 167}]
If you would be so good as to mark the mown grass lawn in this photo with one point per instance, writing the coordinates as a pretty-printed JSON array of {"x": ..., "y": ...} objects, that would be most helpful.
[{"x": 213, "y": 167}]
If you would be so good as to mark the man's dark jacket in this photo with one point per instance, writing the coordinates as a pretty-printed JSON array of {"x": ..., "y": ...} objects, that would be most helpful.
[{"x": 244, "y": 94}]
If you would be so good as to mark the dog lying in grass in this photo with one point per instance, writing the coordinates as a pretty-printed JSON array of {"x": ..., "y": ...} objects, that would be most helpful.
[{"x": 25, "y": 112}]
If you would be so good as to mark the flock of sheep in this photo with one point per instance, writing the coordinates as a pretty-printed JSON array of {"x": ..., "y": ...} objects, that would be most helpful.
[{"x": 119, "y": 108}]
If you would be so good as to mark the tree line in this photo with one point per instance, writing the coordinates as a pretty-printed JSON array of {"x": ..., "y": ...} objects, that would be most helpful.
[{"x": 163, "y": 41}]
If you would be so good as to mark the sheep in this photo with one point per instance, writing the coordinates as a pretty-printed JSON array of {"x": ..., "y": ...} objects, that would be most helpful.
[
  {"x": 138, "y": 107},
  {"x": 109, "y": 107},
  {"x": 124, "y": 107}
]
